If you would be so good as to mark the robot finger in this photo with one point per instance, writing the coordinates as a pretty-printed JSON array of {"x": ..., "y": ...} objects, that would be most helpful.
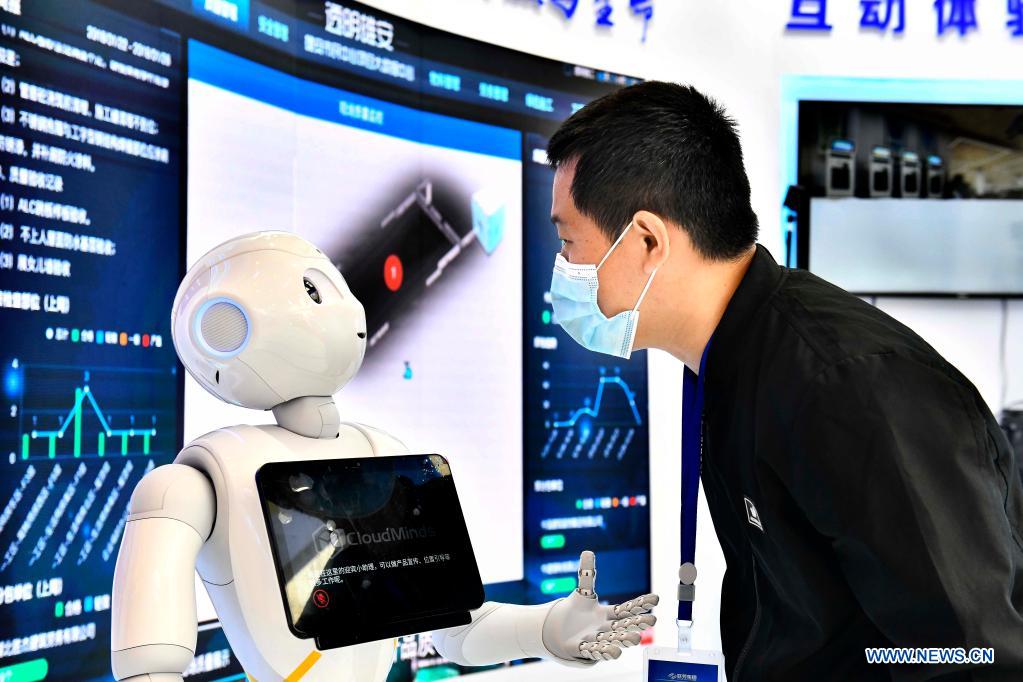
[
  {"x": 599, "y": 651},
  {"x": 587, "y": 574},
  {"x": 620, "y": 637},
  {"x": 634, "y": 623},
  {"x": 631, "y": 639},
  {"x": 635, "y": 607}
]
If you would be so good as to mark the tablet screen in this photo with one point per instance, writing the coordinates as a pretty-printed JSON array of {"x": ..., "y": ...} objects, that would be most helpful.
[{"x": 369, "y": 548}]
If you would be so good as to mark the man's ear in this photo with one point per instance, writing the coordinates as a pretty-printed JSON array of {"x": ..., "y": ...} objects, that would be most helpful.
[{"x": 654, "y": 232}]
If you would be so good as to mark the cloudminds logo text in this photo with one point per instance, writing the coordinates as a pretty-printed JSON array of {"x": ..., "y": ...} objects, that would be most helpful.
[{"x": 390, "y": 534}]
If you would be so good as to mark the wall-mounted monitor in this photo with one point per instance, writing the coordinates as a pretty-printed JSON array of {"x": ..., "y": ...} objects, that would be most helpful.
[
  {"x": 936, "y": 206},
  {"x": 137, "y": 134}
]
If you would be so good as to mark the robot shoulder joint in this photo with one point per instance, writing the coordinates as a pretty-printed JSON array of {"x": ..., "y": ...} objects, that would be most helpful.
[{"x": 179, "y": 492}]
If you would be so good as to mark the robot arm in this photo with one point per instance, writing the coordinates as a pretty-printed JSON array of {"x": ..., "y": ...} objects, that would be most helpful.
[
  {"x": 153, "y": 626},
  {"x": 576, "y": 631}
]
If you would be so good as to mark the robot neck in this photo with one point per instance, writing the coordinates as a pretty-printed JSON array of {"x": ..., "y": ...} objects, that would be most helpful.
[{"x": 309, "y": 416}]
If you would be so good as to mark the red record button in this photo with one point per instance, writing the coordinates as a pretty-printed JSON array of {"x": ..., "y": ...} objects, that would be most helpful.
[
  {"x": 321, "y": 598},
  {"x": 393, "y": 272}
]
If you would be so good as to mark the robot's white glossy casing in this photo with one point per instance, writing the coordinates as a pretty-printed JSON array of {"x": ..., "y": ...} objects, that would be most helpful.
[
  {"x": 236, "y": 562},
  {"x": 292, "y": 346},
  {"x": 290, "y": 352}
]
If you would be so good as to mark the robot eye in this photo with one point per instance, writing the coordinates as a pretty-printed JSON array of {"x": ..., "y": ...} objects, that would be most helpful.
[{"x": 311, "y": 289}]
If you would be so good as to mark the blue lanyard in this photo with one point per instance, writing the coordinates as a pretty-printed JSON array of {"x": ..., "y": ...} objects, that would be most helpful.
[{"x": 692, "y": 449}]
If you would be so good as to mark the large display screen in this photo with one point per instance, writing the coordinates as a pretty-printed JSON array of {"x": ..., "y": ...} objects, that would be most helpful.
[
  {"x": 137, "y": 134},
  {"x": 91, "y": 250},
  {"x": 913, "y": 198}
]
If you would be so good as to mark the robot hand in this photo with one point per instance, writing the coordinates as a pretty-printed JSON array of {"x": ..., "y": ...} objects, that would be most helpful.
[{"x": 581, "y": 631}]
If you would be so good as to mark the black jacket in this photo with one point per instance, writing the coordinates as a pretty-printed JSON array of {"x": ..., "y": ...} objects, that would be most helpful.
[{"x": 889, "y": 504}]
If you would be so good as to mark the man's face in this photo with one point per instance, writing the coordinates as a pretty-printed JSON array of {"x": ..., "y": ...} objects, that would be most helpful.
[{"x": 621, "y": 277}]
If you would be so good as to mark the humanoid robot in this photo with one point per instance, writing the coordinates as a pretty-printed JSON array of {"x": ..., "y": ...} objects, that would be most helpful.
[{"x": 266, "y": 321}]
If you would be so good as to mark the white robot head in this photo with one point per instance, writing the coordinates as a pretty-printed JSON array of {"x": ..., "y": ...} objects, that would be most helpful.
[{"x": 265, "y": 318}]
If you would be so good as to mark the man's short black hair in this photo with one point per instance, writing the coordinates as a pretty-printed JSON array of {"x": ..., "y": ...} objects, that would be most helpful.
[{"x": 665, "y": 148}]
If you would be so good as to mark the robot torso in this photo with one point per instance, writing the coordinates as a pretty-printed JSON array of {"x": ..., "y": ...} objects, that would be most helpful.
[{"x": 236, "y": 563}]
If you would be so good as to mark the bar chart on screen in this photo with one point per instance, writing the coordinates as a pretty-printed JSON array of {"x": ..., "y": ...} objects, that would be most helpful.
[{"x": 70, "y": 412}]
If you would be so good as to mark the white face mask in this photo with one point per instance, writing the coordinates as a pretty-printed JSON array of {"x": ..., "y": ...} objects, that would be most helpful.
[{"x": 574, "y": 298}]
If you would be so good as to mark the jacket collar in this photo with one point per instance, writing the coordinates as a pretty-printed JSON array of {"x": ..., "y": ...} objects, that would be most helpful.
[{"x": 731, "y": 336}]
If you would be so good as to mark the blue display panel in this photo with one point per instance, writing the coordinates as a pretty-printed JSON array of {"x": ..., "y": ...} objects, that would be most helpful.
[
  {"x": 587, "y": 440},
  {"x": 414, "y": 158},
  {"x": 90, "y": 257}
]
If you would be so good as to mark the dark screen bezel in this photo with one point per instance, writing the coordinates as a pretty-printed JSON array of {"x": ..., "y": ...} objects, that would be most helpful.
[{"x": 393, "y": 624}]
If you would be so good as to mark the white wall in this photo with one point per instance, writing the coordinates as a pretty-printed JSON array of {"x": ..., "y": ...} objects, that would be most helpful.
[{"x": 737, "y": 51}]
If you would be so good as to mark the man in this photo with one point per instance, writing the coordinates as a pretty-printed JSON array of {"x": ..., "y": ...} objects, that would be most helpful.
[{"x": 863, "y": 494}]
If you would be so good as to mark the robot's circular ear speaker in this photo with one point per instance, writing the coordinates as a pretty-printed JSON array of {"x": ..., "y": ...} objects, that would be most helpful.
[{"x": 223, "y": 327}]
